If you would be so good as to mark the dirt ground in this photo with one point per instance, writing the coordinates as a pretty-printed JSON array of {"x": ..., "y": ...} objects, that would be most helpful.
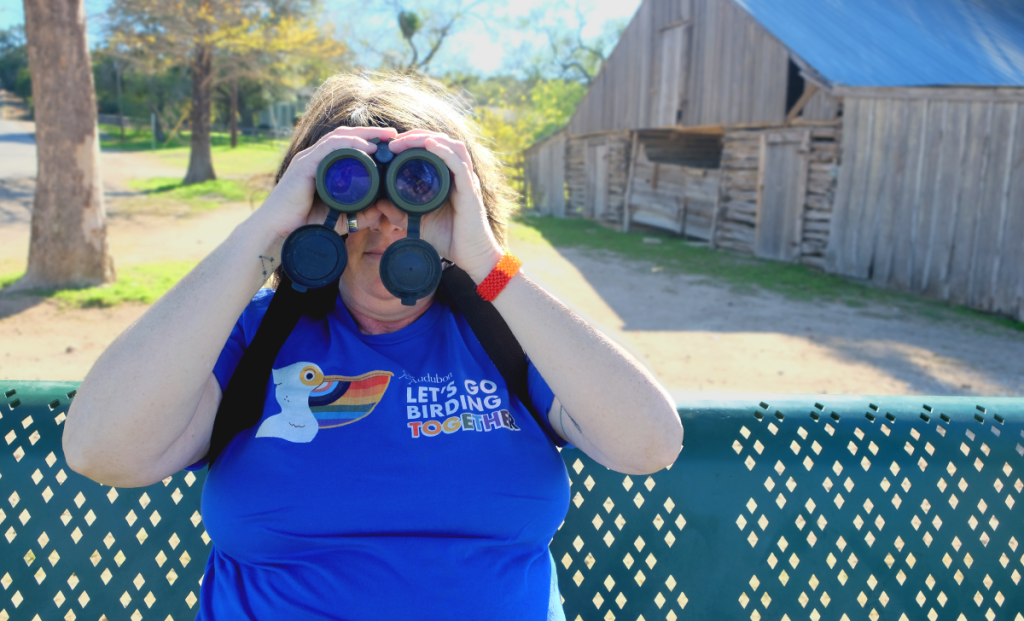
[{"x": 695, "y": 335}]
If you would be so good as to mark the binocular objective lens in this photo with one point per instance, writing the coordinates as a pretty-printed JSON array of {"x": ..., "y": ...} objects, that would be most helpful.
[
  {"x": 347, "y": 180},
  {"x": 417, "y": 182}
]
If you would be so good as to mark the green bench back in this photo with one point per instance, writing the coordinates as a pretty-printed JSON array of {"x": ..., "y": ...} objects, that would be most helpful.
[
  {"x": 73, "y": 549},
  {"x": 794, "y": 508}
]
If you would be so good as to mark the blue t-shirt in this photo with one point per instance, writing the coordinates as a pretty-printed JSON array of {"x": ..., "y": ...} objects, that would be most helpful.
[{"x": 391, "y": 476}]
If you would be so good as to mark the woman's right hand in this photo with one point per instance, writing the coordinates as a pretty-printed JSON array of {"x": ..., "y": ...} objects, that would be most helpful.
[{"x": 293, "y": 202}]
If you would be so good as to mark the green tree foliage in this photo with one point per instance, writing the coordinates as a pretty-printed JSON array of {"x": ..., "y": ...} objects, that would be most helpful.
[
  {"x": 14, "y": 74},
  {"x": 271, "y": 42},
  {"x": 517, "y": 115}
]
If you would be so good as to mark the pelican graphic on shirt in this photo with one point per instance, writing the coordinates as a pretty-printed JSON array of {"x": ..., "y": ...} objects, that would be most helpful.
[
  {"x": 292, "y": 387},
  {"x": 310, "y": 401}
]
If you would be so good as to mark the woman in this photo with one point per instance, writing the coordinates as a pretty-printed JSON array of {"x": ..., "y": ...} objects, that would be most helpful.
[{"x": 393, "y": 511}]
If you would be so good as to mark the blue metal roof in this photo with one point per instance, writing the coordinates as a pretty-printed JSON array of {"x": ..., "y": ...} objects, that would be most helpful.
[{"x": 902, "y": 42}]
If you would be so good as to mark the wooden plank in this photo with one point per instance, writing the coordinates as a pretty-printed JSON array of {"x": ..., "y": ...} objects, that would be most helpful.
[
  {"x": 991, "y": 208},
  {"x": 634, "y": 151},
  {"x": 858, "y": 158},
  {"x": 1008, "y": 256},
  {"x": 945, "y": 202},
  {"x": 835, "y": 260},
  {"x": 935, "y": 141},
  {"x": 866, "y": 233},
  {"x": 1011, "y": 272},
  {"x": 895, "y": 141},
  {"x": 963, "y": 225},
  {"x": 907, "y": 202},
  {"x": 995, "y": 95},
  {"x": 809, "y": 91},
  {"x": 799, "y": 199}
]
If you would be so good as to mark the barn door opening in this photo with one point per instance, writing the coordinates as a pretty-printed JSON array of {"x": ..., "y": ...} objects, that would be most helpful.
[{"x": 781, "y": 194}]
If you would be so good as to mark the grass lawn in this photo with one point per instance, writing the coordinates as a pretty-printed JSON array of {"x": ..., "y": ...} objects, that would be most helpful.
[
  {"x": 742, "y": 273},
  {"x": 252, "y": 156},
  {"x": 199, "y": 196},
  {"x": 142, "y": 284}
]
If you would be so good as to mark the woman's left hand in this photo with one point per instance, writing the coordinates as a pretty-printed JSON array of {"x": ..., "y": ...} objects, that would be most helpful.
[{"x": 460, "y": 230}]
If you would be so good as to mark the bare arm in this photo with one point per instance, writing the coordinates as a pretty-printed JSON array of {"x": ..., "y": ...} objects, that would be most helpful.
[
  {"x": 146, "y": 408},
  {"x": 607, "y": 403}
]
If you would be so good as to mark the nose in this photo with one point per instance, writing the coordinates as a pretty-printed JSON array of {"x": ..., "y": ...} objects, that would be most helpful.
[{"x": 386, "y": 218}]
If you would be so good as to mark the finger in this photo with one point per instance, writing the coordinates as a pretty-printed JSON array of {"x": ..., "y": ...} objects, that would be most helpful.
[
  {"x": 366, "y": 133},
  {"x": 310, "y": 158},
  {"x": 413, "y": 139},
  {"x": 461, "y": 169}
]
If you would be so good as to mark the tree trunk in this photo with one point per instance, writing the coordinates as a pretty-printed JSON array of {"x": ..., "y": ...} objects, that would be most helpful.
[
  {"x": 159, "y": 136},
  {"x": 200, "y": 160},
  {"x": 68, "y": 246},
  {"x": 233, "y": 114}
]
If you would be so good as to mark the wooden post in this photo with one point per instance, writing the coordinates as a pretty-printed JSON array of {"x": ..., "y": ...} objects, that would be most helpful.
[
  {"x": 809, "y": 92},
  {"x": 629, "y": 182},
  {"x": 716, "y": 208}
]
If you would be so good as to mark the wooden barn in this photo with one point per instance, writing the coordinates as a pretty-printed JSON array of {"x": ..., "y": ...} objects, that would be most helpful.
[{"x": 878, "y": 140}]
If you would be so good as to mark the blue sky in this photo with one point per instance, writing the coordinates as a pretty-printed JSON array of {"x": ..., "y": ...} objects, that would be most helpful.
[{"x": 480, "y": 50}]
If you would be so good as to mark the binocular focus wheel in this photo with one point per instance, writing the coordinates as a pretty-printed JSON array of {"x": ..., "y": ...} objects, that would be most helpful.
[
  {"x": 314, "y": 256},
  {"x": 410, "y": 269}
]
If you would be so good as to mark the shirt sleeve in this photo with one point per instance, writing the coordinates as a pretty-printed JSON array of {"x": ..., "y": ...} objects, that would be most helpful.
[
  {"x": 239, "y": 339},
  {"x": 543, "y": 397}
]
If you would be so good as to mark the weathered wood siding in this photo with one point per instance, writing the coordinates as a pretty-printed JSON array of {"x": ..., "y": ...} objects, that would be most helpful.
[
  {"x": 735, "y": 224},
  {"x": 931, "y": 198},
  {"x": 676, "y": 198},
  {"x": 596, "y": 169},
  {"x": 690, "y": 63},
  {"x": 821, "y": 187},
  {"x": 821, "y": 107},
  {"x": 545, "y": 175}
]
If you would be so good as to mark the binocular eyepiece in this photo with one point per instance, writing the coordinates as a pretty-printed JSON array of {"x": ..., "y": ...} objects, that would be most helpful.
[{"x": 349, "y": 181}]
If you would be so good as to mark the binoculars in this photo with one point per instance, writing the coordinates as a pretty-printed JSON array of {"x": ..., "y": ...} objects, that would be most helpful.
[{"x": 349, "y": 181}]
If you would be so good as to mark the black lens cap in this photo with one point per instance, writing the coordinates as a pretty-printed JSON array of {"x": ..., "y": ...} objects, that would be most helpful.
[
  {"x": 314, "y": 256},
  {"x": 410, "y": 269}
]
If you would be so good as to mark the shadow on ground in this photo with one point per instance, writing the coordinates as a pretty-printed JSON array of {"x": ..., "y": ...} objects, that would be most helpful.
[{"x": 952, "y": 355}]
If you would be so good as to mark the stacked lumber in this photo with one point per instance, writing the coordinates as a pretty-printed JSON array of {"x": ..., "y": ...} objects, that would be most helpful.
[
  {"x": 822, "y": 174},
  {"x": 672, "y": 197},
  {"x": 737, "y": 216},
  {"x": 576, "y": 177},
  {"x": 582, "y": 176}
]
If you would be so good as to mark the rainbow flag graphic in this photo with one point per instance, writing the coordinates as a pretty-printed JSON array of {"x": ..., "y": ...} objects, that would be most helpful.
[{"x": 341, "y": 400}]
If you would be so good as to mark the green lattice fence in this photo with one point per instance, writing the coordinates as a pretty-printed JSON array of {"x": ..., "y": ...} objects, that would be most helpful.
[
  {"x": 74, "y": 549},
  {"x": 800, "y": 507}
]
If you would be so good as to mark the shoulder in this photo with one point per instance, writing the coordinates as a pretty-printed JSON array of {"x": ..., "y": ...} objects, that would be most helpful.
[{"x": 250, "y": 319}]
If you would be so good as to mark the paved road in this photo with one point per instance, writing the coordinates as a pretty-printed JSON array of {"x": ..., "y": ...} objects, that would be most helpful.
[{"x": 17, "y": 149}]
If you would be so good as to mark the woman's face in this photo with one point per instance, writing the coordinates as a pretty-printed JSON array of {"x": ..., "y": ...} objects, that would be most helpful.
[{"x": 361, "y": 288}]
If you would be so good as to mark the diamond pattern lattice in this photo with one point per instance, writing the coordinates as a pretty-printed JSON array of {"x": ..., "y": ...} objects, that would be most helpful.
[
  {"x": 816, "y": 508},
  {"x": 836, "y": 508},
  {"x": 74, "y": 549}
]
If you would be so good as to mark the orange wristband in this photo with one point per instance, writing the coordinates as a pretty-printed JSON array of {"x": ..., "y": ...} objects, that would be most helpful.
[{"x": 503, "y": 272}]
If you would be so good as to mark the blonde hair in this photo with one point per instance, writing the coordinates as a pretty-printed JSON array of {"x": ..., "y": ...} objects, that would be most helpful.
[{"x": 404, "y": 102}]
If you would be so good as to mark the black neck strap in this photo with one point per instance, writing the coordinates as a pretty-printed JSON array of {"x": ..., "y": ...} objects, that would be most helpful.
[{"x": 242, "y": 403}]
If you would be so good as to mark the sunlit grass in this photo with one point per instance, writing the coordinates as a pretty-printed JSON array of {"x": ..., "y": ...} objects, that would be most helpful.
[
  {"x": 140, "y": 284},
  {"x": 741, "y": 273},
  {"x": 252, "y": 156},
  {"x": 198, "y": 196},
  {"x": 6, "y": 280}
]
